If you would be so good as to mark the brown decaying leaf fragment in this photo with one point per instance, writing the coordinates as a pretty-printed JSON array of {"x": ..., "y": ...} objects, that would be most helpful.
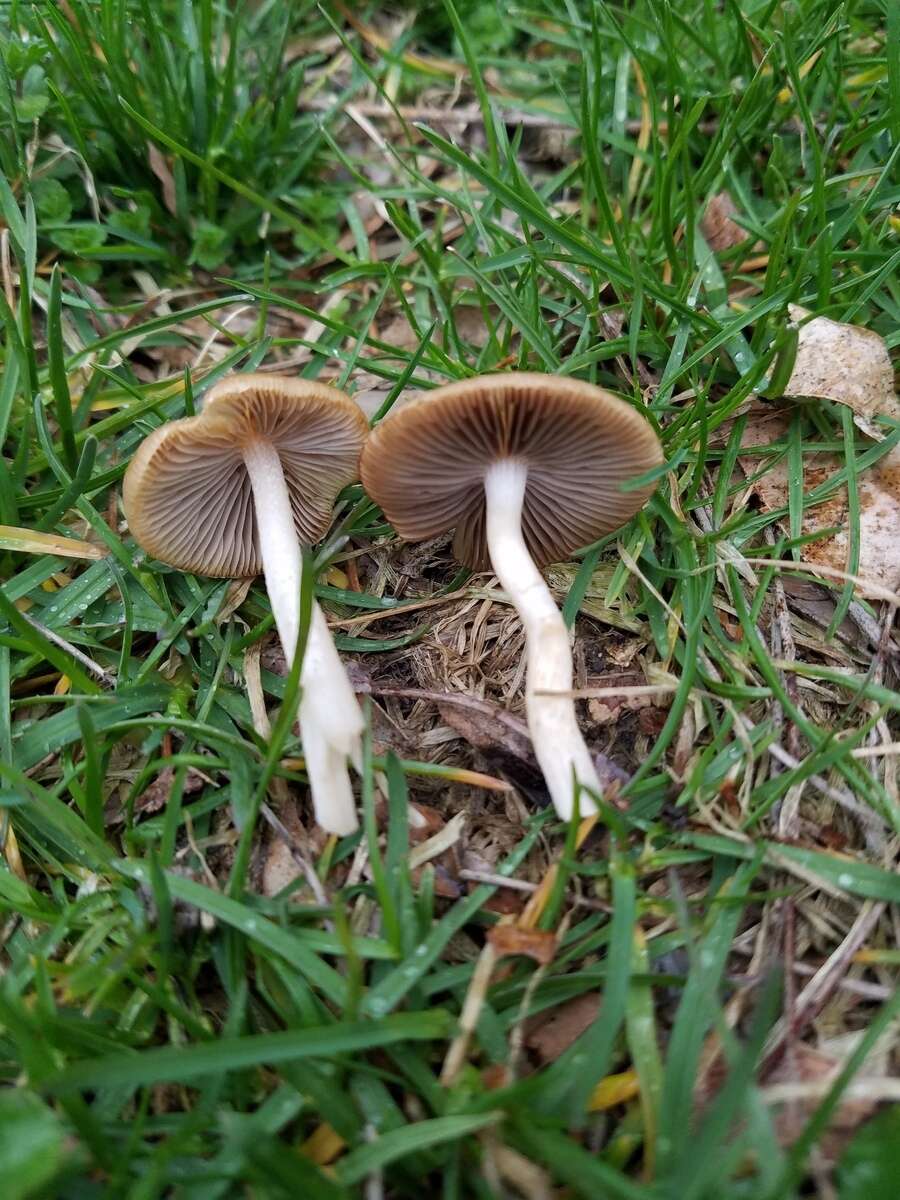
[
  {"x": 718, "y": 226},
  {"x": 538, "y": 944},
  {"x": 163, "y": 172},
  {"x": 796, "y": 1087},
  {"x": 552, "y": 1033}
]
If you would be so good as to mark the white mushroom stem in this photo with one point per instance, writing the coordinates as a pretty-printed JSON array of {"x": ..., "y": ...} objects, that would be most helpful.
[
  {"x": 331, "y": 722},
  {"x": 558, "y": 745}
]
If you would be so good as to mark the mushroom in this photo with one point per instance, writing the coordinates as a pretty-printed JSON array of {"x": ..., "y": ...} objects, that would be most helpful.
[
  {"x": 237, "y": 489},
  {"x": 526, "y": 468}
]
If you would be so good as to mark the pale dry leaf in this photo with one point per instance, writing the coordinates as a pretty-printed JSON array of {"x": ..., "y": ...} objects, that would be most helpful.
[
  {"x": 236, "y": 594},
  {"x": 879, "y": 502},
  {"x": 255, "y": 695},
  {"x": 30, "y": 541},
  {"x": 160, "y": 168},
  {"x": 471, "y": 325},
  {"x": 439, "y": 842},
  {"x": 281, "y": 866},
  {"x": 400, "y": 333},
  {"x": 845, "y": 363},
  {"x": 279, "y": 869}
]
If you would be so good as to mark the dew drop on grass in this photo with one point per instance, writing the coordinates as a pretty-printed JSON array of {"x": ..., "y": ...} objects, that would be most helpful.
[{"x": 845, "y": 881}]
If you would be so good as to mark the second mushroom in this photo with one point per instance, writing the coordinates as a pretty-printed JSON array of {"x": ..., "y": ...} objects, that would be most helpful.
[
  {"x": 239, "y": 488},
  {"x": 526, "y": 468}
]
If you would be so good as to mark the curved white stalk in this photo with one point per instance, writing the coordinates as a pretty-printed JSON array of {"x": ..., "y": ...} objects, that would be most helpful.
[
  {"x": 558, "y": 745},
  {"x": 331, "y": 722}
]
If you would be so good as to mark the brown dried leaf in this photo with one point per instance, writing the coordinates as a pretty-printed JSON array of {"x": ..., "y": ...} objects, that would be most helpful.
[
  {"x": 156, "y": 796},
  {"x": 505, "y": 902},
  {"x": 808, "y": 1065},
  {"x": 605, "y": 710},
  {"x": 539, "y": 944},
  {"x": 471, "y": 325},
  {"x": 845, "y": 363},
  {"x": 556, "y": 1031},
  {"x": 237, "y": 593},
  {"x": 486, "y": 726},
  {"x": 718, "y": 227},
  {"x": 160, "y": 168}
]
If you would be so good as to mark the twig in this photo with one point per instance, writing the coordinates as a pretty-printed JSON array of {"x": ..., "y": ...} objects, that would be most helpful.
[
  {"x": 77, "y": 654},
  {"x": 826, "y": 980},
  {"x": 414, "y": 606},
  {"x": 522, "y": 885},
  {"x": 471, "y": 1011}
]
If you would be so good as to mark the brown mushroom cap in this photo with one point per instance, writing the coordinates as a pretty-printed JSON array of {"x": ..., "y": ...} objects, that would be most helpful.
[
  {"x": 187, "y": 494},
  {"x": 425, "y": 464}
]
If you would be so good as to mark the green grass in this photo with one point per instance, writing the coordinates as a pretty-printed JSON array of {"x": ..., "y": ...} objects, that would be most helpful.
[{"x": 166, "y": 1029}]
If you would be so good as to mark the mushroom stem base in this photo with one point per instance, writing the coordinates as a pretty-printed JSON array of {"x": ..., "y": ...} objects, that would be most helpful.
[
  {"x": 331, "y": 722},
  {"x": 558, "y": 745}
]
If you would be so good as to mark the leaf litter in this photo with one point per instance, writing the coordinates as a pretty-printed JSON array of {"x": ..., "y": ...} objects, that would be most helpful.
[{"x": 851, "y": 366}]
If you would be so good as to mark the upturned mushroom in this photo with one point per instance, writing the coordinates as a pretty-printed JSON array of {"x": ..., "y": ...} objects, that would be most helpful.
[
  {"x": 236, "y": 490},
  {"x": 526, "y": 468}
]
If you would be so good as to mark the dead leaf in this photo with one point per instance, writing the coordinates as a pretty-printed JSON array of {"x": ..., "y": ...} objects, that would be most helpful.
[
  {"x": 605, "y": 710},
  {"x": 279, "y": 869},
  {"x": 398, "y": 332},
  {"x": 846, "y": 363},
  {"x": 160, "y": 168},
  {"x": 538, "y": 944},
  {"x": 717, "y": 224},
  {"x": 445, "y": 884},
  {"x": 30, "y": 541},
  {"x": 614, "y": 1090},
  {"x": 471, "y": 325},
  {"x": 279, "y": 866},
  {"x": 554, "y": 1032},
  {"x": 505, "y": 902},
  {"x": 487, "y": 726},
  {"x": 804, "y": 1074},
  {"x": 652, "y": 721},
  {"x": 235, "y": 596},
  {"x": 490, "y": 728},
  {"x": 323, "y": 1145},
  {"x": 11, "y": 851},
  {"x": 497, "y": 1075},
  {"x": 432, "y": 822},
  {"x": 879, "y": 502},
  {"x": 156, "y": 796}
]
